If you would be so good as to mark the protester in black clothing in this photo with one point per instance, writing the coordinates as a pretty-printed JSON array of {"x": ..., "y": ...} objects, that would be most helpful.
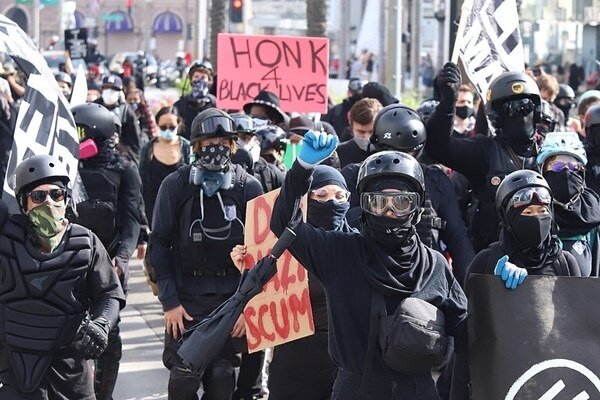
[
  {"x": 65, "y": 83},
  {"x": 565, "y": 101},
  {"x": 113, "y": 99},
  {"x": 163, "y": 155},
  {"x": 513, "y": 108},
  {"x": 198, "y": 218},
  {"x": 370, "y": 273},
  {"x": 592, "y": 147},
  {"x": 361, "y": 117},
  {"x": 441, "y": 218},
  {"x": 111, "y": 210},
  {"x": 338, "y": 115},
  {"x": 59, "y": 292},
  {"x": 264, "y": 109},
  {"x": 562, "y": 160},
  {"x": 376, "y": 90},
  {"x": 137, "y": 102},
  {"x": 200, "y": 77}
]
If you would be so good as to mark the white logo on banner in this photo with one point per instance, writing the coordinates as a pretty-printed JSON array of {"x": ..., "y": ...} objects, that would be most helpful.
[
  {"x": 44, "y": 123},
  {"x": 558, "y": 386}
]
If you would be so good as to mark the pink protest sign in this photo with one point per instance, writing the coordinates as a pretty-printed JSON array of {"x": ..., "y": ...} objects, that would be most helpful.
[{"x": 294, "y": 68}]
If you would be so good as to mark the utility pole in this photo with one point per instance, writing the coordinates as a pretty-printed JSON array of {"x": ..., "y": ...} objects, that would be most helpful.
[
  {"x": 393, "y": 71},
  {"x": 415, "y": 44},
  {"x": 36, "y": 23}
]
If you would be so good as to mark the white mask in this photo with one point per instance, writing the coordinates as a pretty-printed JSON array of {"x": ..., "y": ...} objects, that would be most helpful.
[
  {"x": 110, "y": 96},
  {"x": 167, "y": 134},
  {"x": 362, "y": 143}
]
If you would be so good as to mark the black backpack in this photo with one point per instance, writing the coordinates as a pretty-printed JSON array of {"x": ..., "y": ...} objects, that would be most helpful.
[
  {"x": 430, "y": 225},
  {"x": 99, "y": 212}
]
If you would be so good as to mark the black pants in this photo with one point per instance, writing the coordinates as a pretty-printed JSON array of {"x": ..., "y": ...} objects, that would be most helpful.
[
  {"x": 218, "y": 380},
  {"x": 302, "y": 370},
  {"x": 347, "y": 385},
  {"x": 250, "y": 376},
  {"x": 107, "y": 366}
]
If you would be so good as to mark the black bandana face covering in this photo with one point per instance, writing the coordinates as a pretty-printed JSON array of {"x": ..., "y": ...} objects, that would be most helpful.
[
  {"x": 565, "y": 185},
  {"x": 329, "y": 215},
  {"x": 389, "y": 232},
  {"x": 531, "y": 231},
  {"x": 213, "y": 157}
]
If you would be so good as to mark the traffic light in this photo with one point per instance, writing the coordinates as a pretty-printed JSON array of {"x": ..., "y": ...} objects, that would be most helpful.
[{"x": 236, "y": 11}]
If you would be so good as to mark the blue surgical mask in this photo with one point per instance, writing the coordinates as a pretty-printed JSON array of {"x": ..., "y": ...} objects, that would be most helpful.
[{"x": 167, "y": 134}]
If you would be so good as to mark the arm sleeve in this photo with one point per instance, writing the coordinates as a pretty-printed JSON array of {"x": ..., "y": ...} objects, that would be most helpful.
[
  {"x": 160, "y": 251},
  {"x": 479, "y": 265},
  {"x": 129, "y": 214},
  {"x": 102, "y": 280},
  {"x": 463, "y": 155},
  {"x": 316, "y": 249},
  {"x": 455, "y": 234}
]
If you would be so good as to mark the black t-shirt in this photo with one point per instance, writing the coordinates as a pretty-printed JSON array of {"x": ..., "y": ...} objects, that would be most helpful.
[{"x": 158, "y": 172}]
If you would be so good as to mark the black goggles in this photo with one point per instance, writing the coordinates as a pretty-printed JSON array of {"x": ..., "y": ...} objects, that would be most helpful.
[
  {"x": 218, "y": 125},
  {"x": 517, "y": 108},
  {"x": 400, "y": 203},
  {"x": 40, "y": 196}
]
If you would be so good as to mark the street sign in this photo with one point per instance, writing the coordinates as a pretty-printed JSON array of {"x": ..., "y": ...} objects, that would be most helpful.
[
  {"x": 115, "y": 17},
  {"x": 76, "y": 42}
]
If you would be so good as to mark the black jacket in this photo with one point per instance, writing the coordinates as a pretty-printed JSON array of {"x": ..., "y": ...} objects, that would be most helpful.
[
  {"x": 130, "y": 129},
  {"x": 339, "y": 260},
  {"x": 189, "y": 107},
  {"x": 338, "y": 118}
]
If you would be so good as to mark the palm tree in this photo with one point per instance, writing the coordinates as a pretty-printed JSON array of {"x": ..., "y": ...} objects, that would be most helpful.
[
  {"x": 316, "y": 18},
  {"x": 217, "y": 25}
]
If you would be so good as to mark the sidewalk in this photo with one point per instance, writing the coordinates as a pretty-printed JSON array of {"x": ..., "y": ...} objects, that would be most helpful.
[{"x": 142, "y": 375}]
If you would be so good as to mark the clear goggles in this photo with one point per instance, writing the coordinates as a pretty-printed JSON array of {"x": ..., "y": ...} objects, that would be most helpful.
[
  {"x": 399, "y": 203},
  {"x": 323, "y": 195},
  {"x": 524, "y": 197}
]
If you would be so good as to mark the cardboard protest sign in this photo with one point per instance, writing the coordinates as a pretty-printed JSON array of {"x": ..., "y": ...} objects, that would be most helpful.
[
  {"x": 282, "y": 312},
  {"x": 76, "y": 42},
  {"x": 294, "y": 68},
  {"x": 539, "y": 341},
  {"x": 44, "y": 124}
]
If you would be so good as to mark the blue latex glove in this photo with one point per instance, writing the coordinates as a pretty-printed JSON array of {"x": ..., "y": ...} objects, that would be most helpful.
[
  {"x": 512, "y": 275},
  {"x": 316, "y": 148}
]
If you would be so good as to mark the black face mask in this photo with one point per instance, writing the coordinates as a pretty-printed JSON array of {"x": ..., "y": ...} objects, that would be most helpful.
[
  {"x": 214, "y": 157},
  {"x": 565, "y": 184},
  {"x": 593, "y": 137},
  {"x": 388, "y": 232},
  {"x": 518, "y": 129},
  {"x": 464, "y": 112},
  {"x": 565, "y": 110},
  {"x": 329, "y": 215},
  {"x": 531, "y": 231}
]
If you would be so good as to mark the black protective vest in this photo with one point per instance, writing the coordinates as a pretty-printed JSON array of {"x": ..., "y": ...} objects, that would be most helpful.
[
  {"x": 99, "y": 212},
  {"x": 42, "y": 297},
  {"x": 484, "y": 224},
  {"x": 194, "y": 250}
]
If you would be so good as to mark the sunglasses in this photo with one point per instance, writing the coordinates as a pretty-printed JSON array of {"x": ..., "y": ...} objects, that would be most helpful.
[
  {"x": 323, "y": 195},
  {"x": 518, "y": 108},
  {"x": 39, "y": 196},
  {"x": 400, "y": 203},
  {"x": 169, "y": 127},
  {"x": 558, "y": 166},
  {"x": 524, "y": 197}
]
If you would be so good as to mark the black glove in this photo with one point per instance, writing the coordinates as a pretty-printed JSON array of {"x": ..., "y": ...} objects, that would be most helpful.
[
  {"x": 95, "y": 337},
  {"x": 448, "y": 82}
]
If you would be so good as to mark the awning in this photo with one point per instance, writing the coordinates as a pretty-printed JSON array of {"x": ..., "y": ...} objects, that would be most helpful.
[
  {"x": 119, "y": 21},
  {"x": 167, "y": 22}
]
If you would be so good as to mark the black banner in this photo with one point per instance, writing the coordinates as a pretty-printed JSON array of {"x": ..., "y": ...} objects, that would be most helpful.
[
  {"x": 540, "y": 341},
  {"x": 76, "y": 42}
]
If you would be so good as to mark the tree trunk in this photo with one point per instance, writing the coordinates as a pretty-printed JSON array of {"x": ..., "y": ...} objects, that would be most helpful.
[
  {"x": 217, "y": 25},
  {"x": 316, "y": 18}
]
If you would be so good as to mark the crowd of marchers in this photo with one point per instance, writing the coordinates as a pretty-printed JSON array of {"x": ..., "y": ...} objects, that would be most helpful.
[{"x": 403, "y": 206}]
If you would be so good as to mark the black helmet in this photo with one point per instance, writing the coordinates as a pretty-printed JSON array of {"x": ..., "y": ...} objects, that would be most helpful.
[
  {"x": 426, "y": 109},
  {"x": 35, "y": 169},
  {"x": 64, "y": 77},
  {"x": 548, "y": 116},
  {"x": 93, "y": 121},
  {"x": 398, "y": 127},
  {"x": 592, "y": 116},
  {"x": 565, "y": 91},
  {"x": 392, "y": 164},
  {"x": 212, "y": 122},
  {"x": 511, "y": 84},
  {"x": 243, "y": 123},
  {"x": 272, "y": 137},
  {"x": 201, "y": 64},
  {"x": 514, "y": 182}
]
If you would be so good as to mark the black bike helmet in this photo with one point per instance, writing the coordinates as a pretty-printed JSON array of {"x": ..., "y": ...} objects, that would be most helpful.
[
  {"x": 592, "y": 116},
  {"x": 201, "y": 64},
  {"x": 548, "y": 116},
  {"x": 243, "y": 123},
  {"x": 565, "y": 92},
  {"x": 93, "y": 121},
  {"x": 212, "y": 122},
  {"x": 392, "y": 164},
  {"x": 514, "y": 182},
  {"x": 511, "y": 85},
  {"x": 272, "y": 137},
  {"x": 36, "y": 169},
  {"x": 398, "y": 127},
  {"x": 426, "y": 109}
]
